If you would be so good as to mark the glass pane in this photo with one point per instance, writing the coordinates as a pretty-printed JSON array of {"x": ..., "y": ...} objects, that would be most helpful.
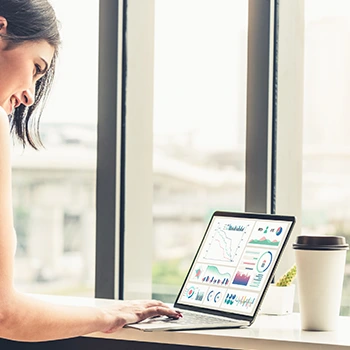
[
  {"x": 199, "y": 127},
  {"x": 326, "y": 161},
  {"x": 54, "y": 188}
]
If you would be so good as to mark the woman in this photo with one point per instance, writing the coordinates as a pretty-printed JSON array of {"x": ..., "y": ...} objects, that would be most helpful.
[{"x": 29, "y": 41}]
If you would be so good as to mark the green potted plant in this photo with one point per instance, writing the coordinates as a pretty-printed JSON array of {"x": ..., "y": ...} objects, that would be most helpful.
[
  {"x": 279, "y": 298},
  {"x": 287, "y": 279}
]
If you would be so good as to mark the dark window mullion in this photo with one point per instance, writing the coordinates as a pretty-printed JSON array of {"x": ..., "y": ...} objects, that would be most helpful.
[
  {"x": 258, "y": 165},
  {"x": 107, "y": 150}
]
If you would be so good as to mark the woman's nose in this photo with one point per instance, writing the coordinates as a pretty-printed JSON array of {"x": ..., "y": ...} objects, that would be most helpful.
[{"x": 28, "y": 97}]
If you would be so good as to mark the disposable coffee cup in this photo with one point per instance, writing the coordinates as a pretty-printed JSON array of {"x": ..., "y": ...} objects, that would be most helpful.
[{"x": 320, "y": 262}]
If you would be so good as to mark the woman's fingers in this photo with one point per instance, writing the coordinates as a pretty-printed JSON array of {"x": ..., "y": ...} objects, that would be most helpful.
[
  {"x": 126, "y": 312},
  {"x": 160, "y": 311}
]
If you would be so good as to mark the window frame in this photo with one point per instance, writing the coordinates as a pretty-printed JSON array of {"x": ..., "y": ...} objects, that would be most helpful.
[
  {"x": 109, "y": 132},
  {"x": 273, "y": 150}
]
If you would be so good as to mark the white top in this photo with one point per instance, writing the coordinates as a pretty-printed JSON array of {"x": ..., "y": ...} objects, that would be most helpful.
[{"x": 268, "y": 332}]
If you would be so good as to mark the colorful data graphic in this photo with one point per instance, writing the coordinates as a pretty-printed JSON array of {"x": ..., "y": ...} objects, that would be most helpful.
[
  {"x": 267, "y": 234},
  {"x": 197, "y": 273},
  {"x": 214, "y": 296},
  {"x": 256, "y": 281},
  {"x": 213, "y": 275},
  {"x": 253, "y": 268},
  {"x": 279, "y": 231},
  {"x": 194, "y": 293},
  {"x": 226, "y": 241},
  {"x": 264, "y": 261},
  {"x": 239, "y": 301},
  {"x": 210, "y": 274},
  {"x": 241, "y": 278}
]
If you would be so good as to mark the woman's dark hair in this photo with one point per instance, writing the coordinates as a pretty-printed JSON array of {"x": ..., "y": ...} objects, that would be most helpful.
[{"x": 31, "y": 21}]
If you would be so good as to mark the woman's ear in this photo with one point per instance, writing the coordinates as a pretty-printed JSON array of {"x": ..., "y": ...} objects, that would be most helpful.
[{"x": 3, "y": 25}]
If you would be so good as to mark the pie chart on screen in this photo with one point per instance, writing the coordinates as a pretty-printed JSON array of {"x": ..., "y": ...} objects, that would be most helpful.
[{"x": 190, "y": 292}]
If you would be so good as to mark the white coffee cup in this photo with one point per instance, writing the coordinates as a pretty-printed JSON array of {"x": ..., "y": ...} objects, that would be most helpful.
[{"x": 320, "y": 262}]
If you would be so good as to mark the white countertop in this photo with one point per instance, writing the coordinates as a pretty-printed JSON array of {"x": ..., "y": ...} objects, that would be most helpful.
[{"x": 267, "y": 332}]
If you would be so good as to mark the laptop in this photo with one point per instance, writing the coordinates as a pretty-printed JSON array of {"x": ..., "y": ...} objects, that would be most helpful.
[{"x": 230, "y": 273}]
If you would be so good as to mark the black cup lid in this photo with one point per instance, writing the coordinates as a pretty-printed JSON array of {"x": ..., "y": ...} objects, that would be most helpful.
[{"x": 321, "y": 243}]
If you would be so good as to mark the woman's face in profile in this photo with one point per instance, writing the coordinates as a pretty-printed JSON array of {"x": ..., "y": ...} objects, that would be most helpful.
[{"x": 20, "y": 68}]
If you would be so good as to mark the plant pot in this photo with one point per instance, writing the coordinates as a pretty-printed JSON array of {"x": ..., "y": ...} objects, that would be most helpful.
[{"x": 278, "y": 300}]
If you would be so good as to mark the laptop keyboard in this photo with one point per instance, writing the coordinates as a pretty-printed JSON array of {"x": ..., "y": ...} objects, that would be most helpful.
[{"x": 190, "y": 318}]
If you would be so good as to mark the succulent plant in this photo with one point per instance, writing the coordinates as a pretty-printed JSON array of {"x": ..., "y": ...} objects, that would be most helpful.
[{"x": 288, "y": 277}]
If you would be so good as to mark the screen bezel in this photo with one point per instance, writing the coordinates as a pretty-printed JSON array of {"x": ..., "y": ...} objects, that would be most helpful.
[{"x": 240, "y": 215}]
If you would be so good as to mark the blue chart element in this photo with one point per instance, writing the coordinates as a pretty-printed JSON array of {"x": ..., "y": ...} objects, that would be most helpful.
[
  {"x": 264, "y": 261},
  {"x": 199, "y": 296},
  {"x": 212, "y": 275},
  {"x": 279, "y": 231},
  {"x": 190, "y": 292},
  {"x": 257, "y": 280},
  {"x": 212, "y": 296},
  {"x": 241, "y": 278},
  {"x": 230, "y": 298},
  {"x": 242, "y": 301},
  {"x": 217, "y": 297}
]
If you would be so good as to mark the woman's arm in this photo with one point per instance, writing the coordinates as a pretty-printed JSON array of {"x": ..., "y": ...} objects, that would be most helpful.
[{"x": 29, "y": 319}]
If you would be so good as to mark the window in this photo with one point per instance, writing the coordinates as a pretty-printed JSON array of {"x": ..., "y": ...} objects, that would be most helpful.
[
  {"x": 326, "y": 162},
  {"x": 54, "y": 189},
  {"x": 200, "y": 72},
  {"x": 150, "y": 189},
  {"x": 185, "y": 112}
]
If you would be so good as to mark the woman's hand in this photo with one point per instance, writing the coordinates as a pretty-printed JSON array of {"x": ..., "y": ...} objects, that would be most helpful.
[{"x": 125, "y": 312}]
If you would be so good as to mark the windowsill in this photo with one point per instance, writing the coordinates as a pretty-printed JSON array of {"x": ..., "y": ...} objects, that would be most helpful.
[{"x": 268, "y": 332}]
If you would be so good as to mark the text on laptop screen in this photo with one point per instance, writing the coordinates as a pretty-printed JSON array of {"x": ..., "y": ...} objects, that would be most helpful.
[{"x": 234, "y": 261}]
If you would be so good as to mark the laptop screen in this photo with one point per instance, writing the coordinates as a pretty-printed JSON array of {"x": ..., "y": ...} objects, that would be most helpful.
[{"x": 235, "y": 262}]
